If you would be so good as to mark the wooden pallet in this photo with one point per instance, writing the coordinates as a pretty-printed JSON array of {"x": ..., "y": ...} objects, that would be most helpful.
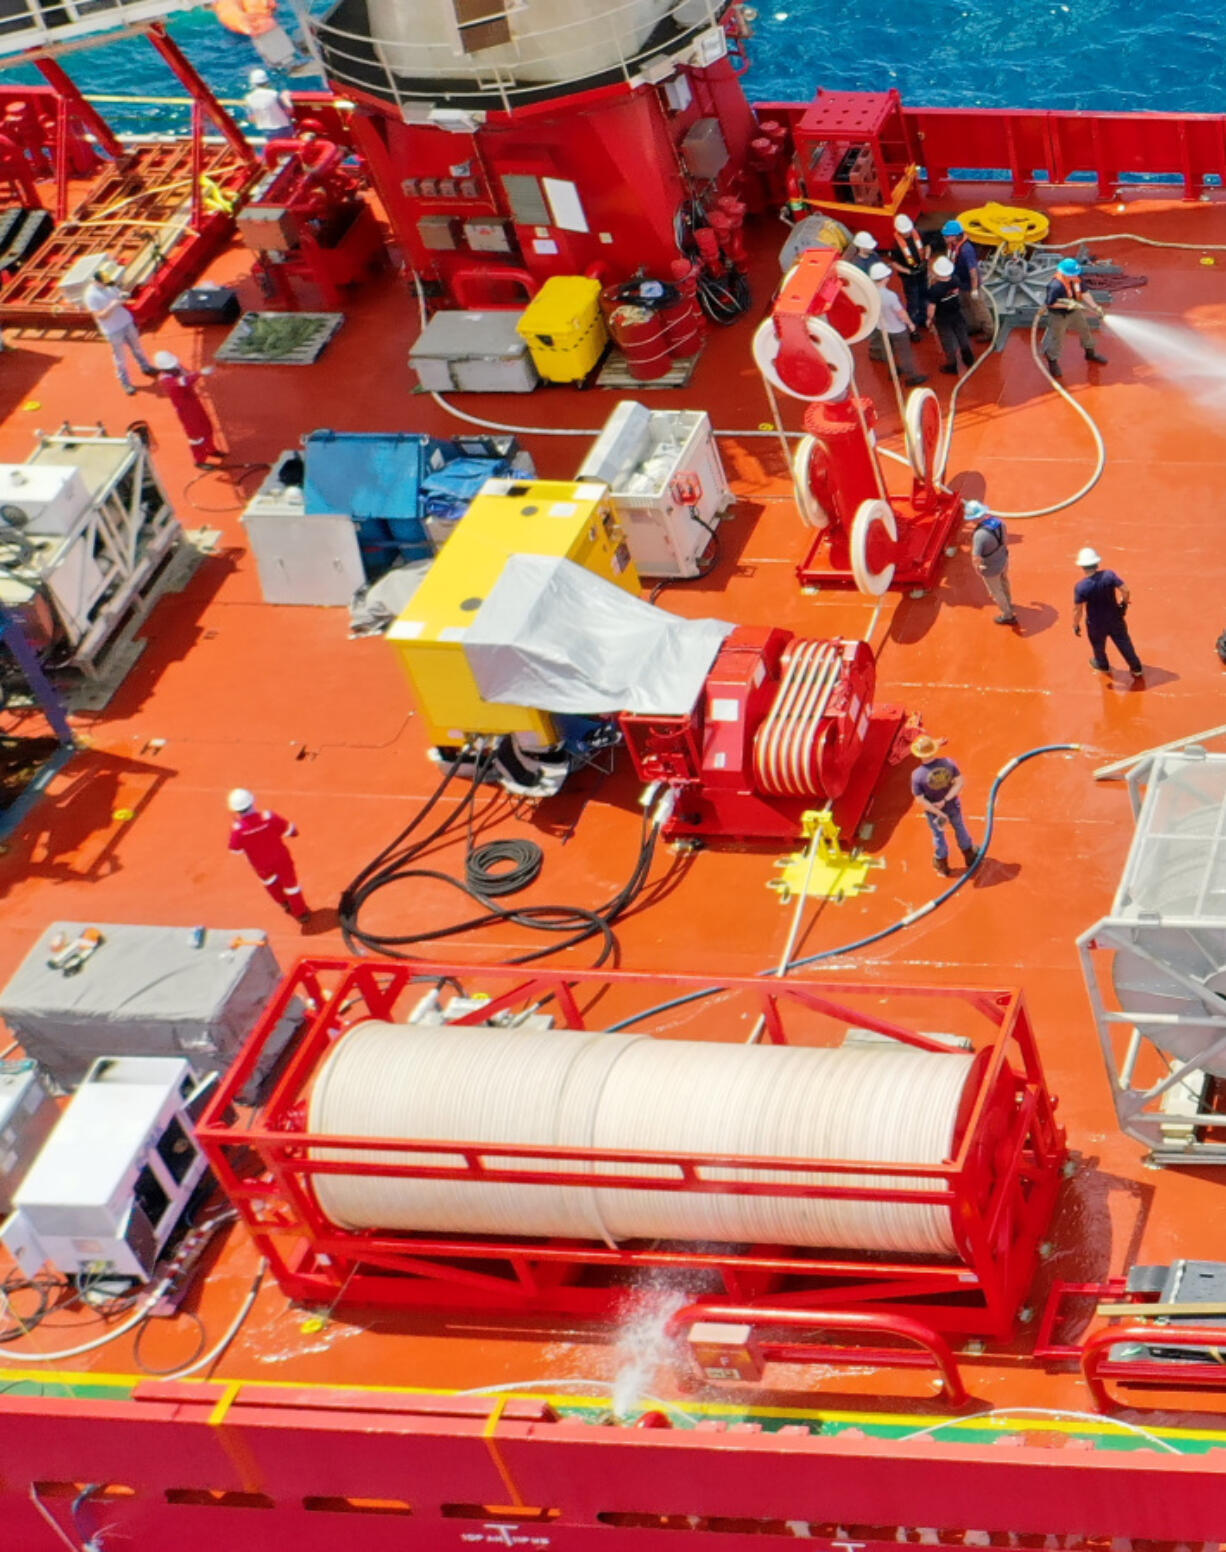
[
  {"x": 233, "y": 354},
  {"x": 616, "y": 374}
]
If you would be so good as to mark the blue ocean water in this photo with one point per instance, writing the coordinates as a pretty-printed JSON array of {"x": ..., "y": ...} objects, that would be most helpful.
[
  {"x": 1105, "y": 54},
  {"x": 1112, "y": 55}
]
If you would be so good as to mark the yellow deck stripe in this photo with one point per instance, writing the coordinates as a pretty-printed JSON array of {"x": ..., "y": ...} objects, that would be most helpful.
[
  {"x": 1001, "y": 1424},
  {"x": 218, "y": 1415},
  {"x": 491, "y": 1443}
]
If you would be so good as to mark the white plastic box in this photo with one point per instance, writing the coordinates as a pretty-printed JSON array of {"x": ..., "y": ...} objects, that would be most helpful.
[
  {"x": 640, "y": 454},
  {"x": 473, "y": 353}
]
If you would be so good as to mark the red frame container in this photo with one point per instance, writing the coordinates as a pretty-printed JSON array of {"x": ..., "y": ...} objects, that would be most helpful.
[{"x": 1001, "y": 1186}]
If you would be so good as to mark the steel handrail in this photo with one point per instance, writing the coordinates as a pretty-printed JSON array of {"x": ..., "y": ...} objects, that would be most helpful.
[
  {"x": 1096, "y": 1350},
  {"x": 952, "y": 1386}
]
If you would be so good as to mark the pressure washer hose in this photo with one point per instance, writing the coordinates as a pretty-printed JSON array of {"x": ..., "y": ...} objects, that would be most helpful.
[
  {"x": 1100, "y": 449},
  {"x": 777, "y": 431},
  {"x": 909, "y": 920}
]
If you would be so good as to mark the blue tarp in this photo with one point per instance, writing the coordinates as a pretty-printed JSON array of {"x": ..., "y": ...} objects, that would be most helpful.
[
  {"x": 366, "y": 474},
  {"x": 388, "y": 482}
]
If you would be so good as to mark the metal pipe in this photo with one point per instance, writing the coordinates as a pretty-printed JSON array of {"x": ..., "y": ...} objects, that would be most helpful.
[
  {"x": 1120, "y": 767},
  {"x": 1096, "y": 1353},
  {"x": 953, "y": 1389}
]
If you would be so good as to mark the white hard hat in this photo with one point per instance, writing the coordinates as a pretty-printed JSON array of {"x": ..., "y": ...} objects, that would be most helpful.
[
  {"x": 943, "y": 267},
  {"x": 258, "y": 77},
  {"x": 240, "y": 800},
  {"x": 1089, "y": 556},
  {"x": 880, "y": 271},
  {"x": 166, "y": 361},
  {"x": 903, "y": 224},
  {"x": 975, "y": 511},
  {"x": 865, "y": 241}
]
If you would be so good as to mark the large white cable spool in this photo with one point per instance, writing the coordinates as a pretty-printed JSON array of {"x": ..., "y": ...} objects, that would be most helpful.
[
  {"x": 922, "y": 433},
  {"x": 827, "y": 342},
  {"x": 872, "y": 519},
  {"x": 810, "y": 508},
  {"x": 863, "y": 292},
  {"x": 872, "y": 1103}
]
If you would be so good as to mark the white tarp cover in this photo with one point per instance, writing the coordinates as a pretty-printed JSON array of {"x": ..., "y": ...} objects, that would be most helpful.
[{"x": 555, "y": 637}]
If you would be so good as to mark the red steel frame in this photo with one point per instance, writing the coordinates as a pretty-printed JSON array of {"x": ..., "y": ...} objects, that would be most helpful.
[
  {"x": 1093, "y": 1351},
  {"x": 135, "y": 195},
  {"x": 933, "y": 1350},
  {"x": 1000, "y": 1221},
  {"x": 1038, "y": 147}
]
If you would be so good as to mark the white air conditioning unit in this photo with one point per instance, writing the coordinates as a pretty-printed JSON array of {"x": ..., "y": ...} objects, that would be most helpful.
[
  {"x": 42, "y": 499},
  {"x": 115, "y": 1177}
]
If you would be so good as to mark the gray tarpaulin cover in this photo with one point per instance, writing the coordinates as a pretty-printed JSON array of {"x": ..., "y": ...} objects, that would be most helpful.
[
  {"x": 555, "y": 637},
  {"x": 145, "y": 992}
]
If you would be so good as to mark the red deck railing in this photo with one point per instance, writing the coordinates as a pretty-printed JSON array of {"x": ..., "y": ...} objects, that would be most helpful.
[{"x": 1037, "y": 146}]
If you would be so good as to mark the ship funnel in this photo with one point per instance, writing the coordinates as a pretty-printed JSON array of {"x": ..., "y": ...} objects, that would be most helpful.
[
  {"x": 1155, "y": 967},
  {"x": 496, "y": 54}
]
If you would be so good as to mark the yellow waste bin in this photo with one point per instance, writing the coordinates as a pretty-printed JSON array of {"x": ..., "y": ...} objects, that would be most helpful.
[
  {"x": 574, "y": 520},
  {"x": 564, "y": 328}
]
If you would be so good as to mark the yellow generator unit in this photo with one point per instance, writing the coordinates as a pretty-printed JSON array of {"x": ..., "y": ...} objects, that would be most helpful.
[
  {"x": 571, "y": 521},
  {"x": 564, "y": 328}
]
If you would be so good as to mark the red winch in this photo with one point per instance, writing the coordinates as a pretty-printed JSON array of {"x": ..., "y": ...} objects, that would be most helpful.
[
  {"x": 307, "y": 218},
  {"x": 866, "y": 534},
  {"x": 783, "y": 724}
]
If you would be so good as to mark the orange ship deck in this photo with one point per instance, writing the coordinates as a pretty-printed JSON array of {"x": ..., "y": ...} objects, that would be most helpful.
[{"x": 230, "y": 690}]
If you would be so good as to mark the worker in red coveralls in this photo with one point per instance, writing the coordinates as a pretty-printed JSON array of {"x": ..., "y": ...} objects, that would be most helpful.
[
  {"x": 179, "y": 386},
  {"x": 261, "y": 836}
]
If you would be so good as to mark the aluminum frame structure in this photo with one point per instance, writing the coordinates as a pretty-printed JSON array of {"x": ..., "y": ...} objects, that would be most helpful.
[
  {"x": 1000, "y": 1186},
  {"x": 1155, "y": 965},
  {"x": 117, "y": 547}
]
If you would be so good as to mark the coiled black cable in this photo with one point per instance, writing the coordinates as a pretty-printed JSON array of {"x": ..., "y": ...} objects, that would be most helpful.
[
  {"x": 395, "y": 865},
  {"x": 502, "y": 868}
]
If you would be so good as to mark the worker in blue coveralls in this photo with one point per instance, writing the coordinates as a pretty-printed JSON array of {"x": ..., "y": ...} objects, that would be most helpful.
[
  {"x": 1066, "y": 306},
  {"x": 936, "y": 783},
  {"x": 1101, "y": 599},
  {"x": 961, "y": 250}
]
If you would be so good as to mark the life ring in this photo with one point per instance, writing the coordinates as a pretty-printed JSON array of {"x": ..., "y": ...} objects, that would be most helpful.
[
  {"x": 922, "y": 432},
  {"x": 827, "y": 342},
  {"x": 810, "y": 508},
  {"x": 863, "y": 293},
  {"x": 873, "y": 531},
  {"x": 1005, "y": 226}
]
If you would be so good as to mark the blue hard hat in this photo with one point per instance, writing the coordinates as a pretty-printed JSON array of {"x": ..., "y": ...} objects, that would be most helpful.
[
  {"x": 1068, "y": 267},
  {"x": 952, "y": 229}
]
